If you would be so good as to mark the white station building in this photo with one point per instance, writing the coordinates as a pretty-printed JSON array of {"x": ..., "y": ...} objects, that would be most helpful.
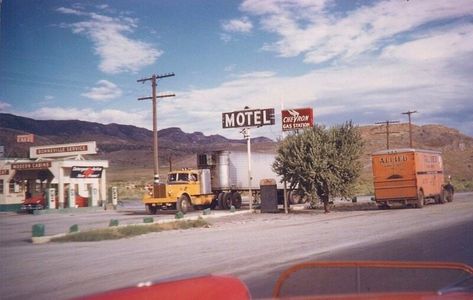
[{"x": 57, "y": 170}]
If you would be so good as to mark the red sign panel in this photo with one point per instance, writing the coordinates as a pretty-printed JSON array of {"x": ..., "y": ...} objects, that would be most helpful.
[
  {"x": 25, "y": 138},
  {"x": 299, "y": 118}
]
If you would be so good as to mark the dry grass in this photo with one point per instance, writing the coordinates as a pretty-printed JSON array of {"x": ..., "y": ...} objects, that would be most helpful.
[{"x": 114, "y": 233}]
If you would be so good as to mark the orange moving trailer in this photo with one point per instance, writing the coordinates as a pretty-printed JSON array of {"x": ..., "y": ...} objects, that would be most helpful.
[{"x": 409, "y": 177}]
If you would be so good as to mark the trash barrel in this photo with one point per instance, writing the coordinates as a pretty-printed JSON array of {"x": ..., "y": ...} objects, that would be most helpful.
[{"x": 269, "y": 196}]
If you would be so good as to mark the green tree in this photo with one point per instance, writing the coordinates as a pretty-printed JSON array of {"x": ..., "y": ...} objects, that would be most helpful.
[{"x": 320, "y": 161}]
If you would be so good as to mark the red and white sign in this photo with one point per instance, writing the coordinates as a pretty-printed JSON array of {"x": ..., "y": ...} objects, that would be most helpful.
[
  {"x": 295, "y": 119},
  {"x": 86, "y": 172},
  {"x": 25, "y": 138}
]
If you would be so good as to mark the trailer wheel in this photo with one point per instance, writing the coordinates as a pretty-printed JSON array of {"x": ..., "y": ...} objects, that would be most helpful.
[
  {"x": 420, "y": 199},
  {"x": 227, "y": 200},
  {"x": 184, "y": 204},
  {"x": 295, "y": 197},
  {"x": 150, "y": 209},
  {"x": 220, "y": 200},
  {"x": 236, "y": 200}
]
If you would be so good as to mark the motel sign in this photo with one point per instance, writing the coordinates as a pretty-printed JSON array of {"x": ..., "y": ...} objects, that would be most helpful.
[{"x": 248, "y": 118}]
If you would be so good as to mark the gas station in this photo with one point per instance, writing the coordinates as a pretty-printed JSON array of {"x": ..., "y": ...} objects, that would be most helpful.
[{"x": 57, "y": 174}]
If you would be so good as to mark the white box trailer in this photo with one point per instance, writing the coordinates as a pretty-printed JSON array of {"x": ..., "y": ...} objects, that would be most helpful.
[
  {"x": 229, "y": 169},
  {"x": 229, "y": 175}
]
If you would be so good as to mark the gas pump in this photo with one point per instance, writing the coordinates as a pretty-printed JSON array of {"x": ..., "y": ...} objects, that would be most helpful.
[
  {"x": 71, "y": 197},
  {"x": 114, "y": 196},
  {"x": 93, "y": 196},
  {"x": 51, "y": 198}
]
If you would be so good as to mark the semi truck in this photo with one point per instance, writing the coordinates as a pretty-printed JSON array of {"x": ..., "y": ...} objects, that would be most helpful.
[
  {"x": 218, "y": 182},
  {"x": 409, "y": 177}
]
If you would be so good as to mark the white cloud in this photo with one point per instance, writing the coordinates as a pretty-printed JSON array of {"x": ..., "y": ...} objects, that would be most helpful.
[
  {"x": 450, "y": 43},
  {"x": 105, "y": 90},
  {"x": 225, "y": 37},
  {"x": 311, "y": 29},
  {"x": 237, "y": 25},
  {"x": 118, "y": 52},
  {"x": 365, "y": 90},
  {"x": 70, "y": 11},
  {"x": 106, "y": 116},
  {"x": 4, "y": 106},
  {"x": 230, "y": 68}
]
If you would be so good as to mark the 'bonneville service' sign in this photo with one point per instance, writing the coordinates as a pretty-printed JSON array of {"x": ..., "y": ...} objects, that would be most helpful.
[
  {"x": 248, "y": 118},
  {"x": 63, "y": 150}
]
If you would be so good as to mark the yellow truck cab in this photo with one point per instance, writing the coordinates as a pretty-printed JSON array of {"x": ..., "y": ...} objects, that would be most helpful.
[{"x": 184, "y": 190}]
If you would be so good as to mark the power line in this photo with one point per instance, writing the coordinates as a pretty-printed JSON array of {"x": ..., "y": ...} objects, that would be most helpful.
[
  {"x": 387, "y": 130},
  {"x": 409, "y": 113}
]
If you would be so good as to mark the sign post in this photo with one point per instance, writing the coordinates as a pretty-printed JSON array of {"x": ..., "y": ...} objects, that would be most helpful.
[
  {"x": 246, "y": 119},
  {"x": 247, "y": 136}
]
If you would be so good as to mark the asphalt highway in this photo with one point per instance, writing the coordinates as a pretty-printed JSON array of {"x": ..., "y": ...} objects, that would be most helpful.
[
  {"x": 252, "y": 247},
  {"x": 449, "y": 244}
]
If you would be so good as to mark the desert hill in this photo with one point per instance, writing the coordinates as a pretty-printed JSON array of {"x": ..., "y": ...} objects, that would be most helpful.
[{"x": 129, "y": 148}]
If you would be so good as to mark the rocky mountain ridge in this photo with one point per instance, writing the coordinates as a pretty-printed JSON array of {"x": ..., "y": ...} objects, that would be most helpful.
[{"x": 129, "y": 148}]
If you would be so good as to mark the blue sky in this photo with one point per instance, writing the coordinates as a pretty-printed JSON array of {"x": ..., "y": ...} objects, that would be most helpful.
[{"x": 365, "y": 61}]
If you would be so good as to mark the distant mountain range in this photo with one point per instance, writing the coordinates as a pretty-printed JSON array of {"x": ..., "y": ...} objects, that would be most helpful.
[
  {"x": 110, "y": 138},
  {"x": 129, "y": 148}
]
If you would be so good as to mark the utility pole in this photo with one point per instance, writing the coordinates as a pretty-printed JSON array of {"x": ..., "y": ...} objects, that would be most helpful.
[
  {"x": 154, "y": 84},
  {"x": 409, "y": 113},
  {"x": 387, "y": 130}
]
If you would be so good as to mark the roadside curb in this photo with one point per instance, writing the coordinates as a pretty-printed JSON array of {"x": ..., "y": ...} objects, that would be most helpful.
[
  {"x": 47, "y": 238},
  {"x": 68, "y": 210}
]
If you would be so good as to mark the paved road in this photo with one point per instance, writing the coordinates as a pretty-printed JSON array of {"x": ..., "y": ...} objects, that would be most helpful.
[
  {"x": 453, "y": 243},
  {"x": 253, "y": 247}
]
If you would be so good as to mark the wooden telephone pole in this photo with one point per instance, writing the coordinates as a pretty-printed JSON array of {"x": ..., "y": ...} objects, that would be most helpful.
[
  {"x": 154, "y": 85},
  {"x": 387, "y": 130},
  {"x": 409, "y": 113}
]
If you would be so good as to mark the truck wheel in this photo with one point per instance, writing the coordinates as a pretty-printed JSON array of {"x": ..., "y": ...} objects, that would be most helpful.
[
  {"x": 236, "y": 200},
  {"x": 448, "y": 196},
  {"x": 150, "y": 209},
  {"x": 214, "y": 203},
  {"x": 220, "y": 200},
  {"x": 184, "y": 204},
  {"x": 441, "y": 197},
  {"x": 420, "y": 199},
  {"x": 383, "y": 205},
  {"x": 227, "y": 200}
]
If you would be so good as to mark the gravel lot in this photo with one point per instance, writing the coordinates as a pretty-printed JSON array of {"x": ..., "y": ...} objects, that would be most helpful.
[{"x": 248, "y": 246}]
